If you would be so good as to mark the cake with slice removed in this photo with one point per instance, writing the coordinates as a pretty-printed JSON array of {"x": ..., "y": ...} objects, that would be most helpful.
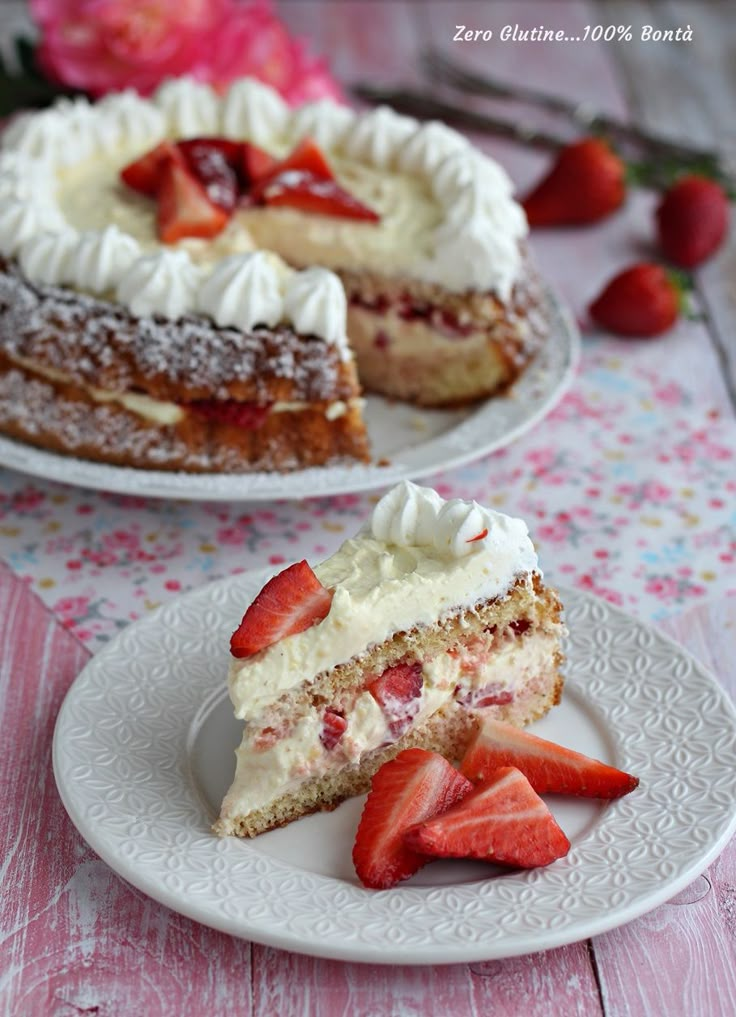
[{"x": 434, "y": 615}]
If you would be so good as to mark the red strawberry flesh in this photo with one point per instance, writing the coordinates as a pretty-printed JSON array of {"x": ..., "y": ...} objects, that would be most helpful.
[
  {"x": 144, "y": 175},
  {"x": 299, "y": 189},
  {"x": 397, "y": 691},
  {"x": 290, "y": 603},
  {"x": 333, "y": 728},
  {"x": 184, "y": 210},
  {"x": 548, "y": 767},
  {"x": 407, "y": 790},
  {"x": 250, "y": 416},
  {"x": 214, "y": 162},
  {"x": 503, "y": 821}
]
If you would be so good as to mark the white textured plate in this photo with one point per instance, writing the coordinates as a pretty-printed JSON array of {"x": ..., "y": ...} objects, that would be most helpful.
[
  {"x": 143, "y": 753},
  {"x": 415, "y": 442}
]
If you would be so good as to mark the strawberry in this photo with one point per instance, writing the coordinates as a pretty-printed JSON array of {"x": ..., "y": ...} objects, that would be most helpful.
[
  {"x": 548, "y": 767},
  {"x": 144, "y": 174},
  {"x": 397, "y": 691},
  {"x": 643, "y": 300},
  {"x": 255, "y": 162},
  {"x": 414, "y": 786},
  {"x": 184, "y": 210},
  {"x": 503, "y": 820},
  {"x": 306, "y": 158},
  {"x": 250, "y": 416},
  {"x": 493, "y": 694},
  {"x": 333, "y": 728},
  {"x": 585, "y": 184},
  {"x": 291, "y": 602},
  {"x": 324, "y": 197},
  {"x": 214, "y": 162},
  {"x": 692, "y": 220}
]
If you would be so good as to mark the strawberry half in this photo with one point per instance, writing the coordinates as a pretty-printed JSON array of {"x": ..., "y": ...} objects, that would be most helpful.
[
  {"x": 255, "y": 163},
  {"x": 692, "y": 220},
  {"x": 503, "y": 821},
  {"x": 144, "y": 175},
  {"x": 306, "y": 158},
  {"x": 547, "y": 766},
  {"x": 291, "y": 602},
  {"x": 215, "y": 163},
  {"x": 643, "y": 300},
  {"x": 250, "y": 416},
  {"x": 586, "y": 183},
  {"x": 309, "y": 194},
  {"x": 409, "y": 789},
  {"x": 184, "y": 210},
  {"x": 397, "y": 691}
]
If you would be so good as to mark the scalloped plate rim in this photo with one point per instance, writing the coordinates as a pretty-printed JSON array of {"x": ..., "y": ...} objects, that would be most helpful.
[{"x": 392, "y": 953}]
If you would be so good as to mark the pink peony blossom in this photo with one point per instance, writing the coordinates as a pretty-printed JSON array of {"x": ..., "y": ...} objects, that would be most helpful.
[{"x": 100, "y": 46}]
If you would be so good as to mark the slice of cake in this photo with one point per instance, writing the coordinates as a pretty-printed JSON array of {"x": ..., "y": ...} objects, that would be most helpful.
[
  {"x": 265, "y": 382},
  {"x": 126, "y": 294},
  {"x": 434, "y": 615}
]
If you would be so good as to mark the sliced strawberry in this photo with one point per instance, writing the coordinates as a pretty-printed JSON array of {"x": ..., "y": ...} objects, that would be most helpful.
[
  {"x": 493, "y": 694},
  {"x": 184, "y": 210},
  {"x": 397, "y": 691},
  {"x": 548, "y": 767},
  {"x": 503, "y": 821},
  {"x": 255, "y": 162},
  {"x": 291, "y": 602},
  {"x": 144, "y": 174},
  {"x": 250, "y": 416},
  {"x": 333, "y": 728},
  {"x": 214, "y": 162},
  {"x": 307, "y": 158},
  {"x": 407, "y": 790},
  {"x": 309, "y": 194}
]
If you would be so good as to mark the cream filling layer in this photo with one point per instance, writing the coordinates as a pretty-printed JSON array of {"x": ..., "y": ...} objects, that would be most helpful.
[
  {"x": 159, "y": 411},
  {"x": 380, "y": 589},
  {"x": 261, "y": 776}
]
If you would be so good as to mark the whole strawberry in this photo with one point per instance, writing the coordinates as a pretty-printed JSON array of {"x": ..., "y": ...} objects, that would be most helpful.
[
  {"x": 643, "y": 300},
  {"x": 586, "y": 183},
  {"x": 692, "y": 220}
]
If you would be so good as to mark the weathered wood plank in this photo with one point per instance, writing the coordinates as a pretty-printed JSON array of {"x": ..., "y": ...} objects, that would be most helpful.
[
  {"x": 560, "y": 981},
  {"x": 688, "y": 91},
  {"x": 76, "y": 938}
]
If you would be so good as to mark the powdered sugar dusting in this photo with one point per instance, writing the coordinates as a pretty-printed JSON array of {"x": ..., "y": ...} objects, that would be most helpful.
[{"x": 96, "y": 342}]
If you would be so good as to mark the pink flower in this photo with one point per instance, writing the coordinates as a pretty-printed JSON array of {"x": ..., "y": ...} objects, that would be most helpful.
[{"x": 100, "y": 46}]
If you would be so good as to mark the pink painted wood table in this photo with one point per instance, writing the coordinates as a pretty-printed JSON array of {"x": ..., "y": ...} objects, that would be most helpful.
[{"x": 628, "y": 489}]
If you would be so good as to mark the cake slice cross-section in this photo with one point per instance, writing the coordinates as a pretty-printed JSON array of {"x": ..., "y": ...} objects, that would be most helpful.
[{"x": 433, "y": 616}]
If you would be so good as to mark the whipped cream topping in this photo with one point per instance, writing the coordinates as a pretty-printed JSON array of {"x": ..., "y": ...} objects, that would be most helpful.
[
  {"x": 244, "y": 290},
  {"x": 162, "y": 283},
  {"x": 324, "y": 121},
  {"x": 413, "y": 564},
  {"x": 101, "y": 260},
  {"x": 191, "y": 108},
  {"x": 473, "y": 244},
  {"x": 315, "y": 302},
  {"x": 48, "y": 257}
]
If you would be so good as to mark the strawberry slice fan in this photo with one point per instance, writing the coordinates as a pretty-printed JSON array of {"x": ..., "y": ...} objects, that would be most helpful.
[
  {"x": 199, "y": 183},
  {"x": 420, "y": 807}
]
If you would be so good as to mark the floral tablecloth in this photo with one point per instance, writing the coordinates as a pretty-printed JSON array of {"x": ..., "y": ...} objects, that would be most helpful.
[{"x": 627, "y": 488}]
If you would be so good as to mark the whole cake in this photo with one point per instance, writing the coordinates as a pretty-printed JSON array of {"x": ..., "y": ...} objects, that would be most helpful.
[
  {"x": 432, "y": 617},
  {"x": 179, "y": 276}
]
